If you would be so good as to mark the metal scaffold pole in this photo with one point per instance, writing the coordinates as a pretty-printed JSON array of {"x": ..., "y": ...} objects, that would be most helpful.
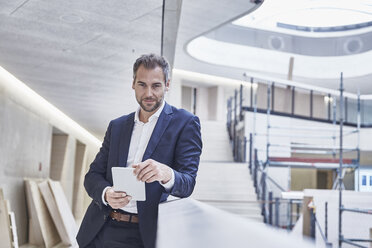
[
  {"x": 254, "y": 89},
  {"x": 340, "y": 238},
  {"x": 358, "y": 147},
  {"x": 268, "y": 124}
]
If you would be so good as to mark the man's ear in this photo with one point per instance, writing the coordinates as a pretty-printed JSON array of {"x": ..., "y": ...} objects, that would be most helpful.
[
  {"x": 133, "y": 84},
  {"x": 167, "y": 85}
]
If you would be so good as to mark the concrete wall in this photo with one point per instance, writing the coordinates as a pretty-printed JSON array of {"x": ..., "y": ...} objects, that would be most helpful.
[
  {"x": 63, "y": 163},
  {"x": 187, "y": 98},
  {"x": 26, "y": 131},
  {"x": 202, "y": 100},
  {"x": 174, "y": 94},
  {"x": 210, "y": 102},
  {"x": 24, "y": 152}
]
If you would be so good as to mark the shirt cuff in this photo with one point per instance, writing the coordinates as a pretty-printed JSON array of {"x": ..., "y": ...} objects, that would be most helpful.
[
  {"x": 168, "y": 185},
  {"x": 103, "y": 195}
]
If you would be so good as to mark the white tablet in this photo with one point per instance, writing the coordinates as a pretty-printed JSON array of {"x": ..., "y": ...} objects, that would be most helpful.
[{"x": 124, "y": 180}]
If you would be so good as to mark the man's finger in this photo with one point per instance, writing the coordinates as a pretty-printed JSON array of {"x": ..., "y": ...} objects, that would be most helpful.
[
  {"x": 144, "y": 171},
  {"x": 152, "y": 179},
  {"x": 140, "y": 167},
  {"x": 118, "y": 194},
  {"x": 148, "y": 175},
  {"x": 119, "y": 203}
]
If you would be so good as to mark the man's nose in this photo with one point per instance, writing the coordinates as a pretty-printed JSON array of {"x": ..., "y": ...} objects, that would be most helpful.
[{"x": 148, "y": 91}]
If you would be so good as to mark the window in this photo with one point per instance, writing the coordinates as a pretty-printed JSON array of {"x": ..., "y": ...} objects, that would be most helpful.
[{"x": 364, "y": 180}]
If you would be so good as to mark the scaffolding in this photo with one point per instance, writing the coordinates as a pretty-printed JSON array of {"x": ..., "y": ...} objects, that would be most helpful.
[{"x": 336, "y": 164}]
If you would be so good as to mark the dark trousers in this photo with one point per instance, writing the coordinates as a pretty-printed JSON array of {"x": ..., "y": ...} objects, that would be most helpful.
[{"x": 115, "y": 234}]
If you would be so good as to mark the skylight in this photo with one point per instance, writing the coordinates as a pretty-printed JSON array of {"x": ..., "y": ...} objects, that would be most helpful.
[{"x": 315, "y": 17}]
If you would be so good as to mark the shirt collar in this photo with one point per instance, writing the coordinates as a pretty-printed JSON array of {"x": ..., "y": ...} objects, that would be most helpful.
[{"x": 155, "y": 115}]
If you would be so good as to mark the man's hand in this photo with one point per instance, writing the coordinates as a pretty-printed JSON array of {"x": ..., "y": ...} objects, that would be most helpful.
[
  {"x": 150, "y": 171},
  {"x": 116, "y": 199}
]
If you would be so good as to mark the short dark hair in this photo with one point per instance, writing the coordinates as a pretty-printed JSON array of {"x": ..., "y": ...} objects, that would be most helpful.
[{"x": 150, "y": 61}]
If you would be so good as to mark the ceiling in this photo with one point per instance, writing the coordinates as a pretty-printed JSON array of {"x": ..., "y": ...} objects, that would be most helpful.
[
  {"x": 322, "y": 38},
  {"x": 78, "y": 55}
]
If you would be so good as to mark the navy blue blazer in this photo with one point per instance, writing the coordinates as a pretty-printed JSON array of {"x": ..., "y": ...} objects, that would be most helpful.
[{"x": 175, "y": 141}]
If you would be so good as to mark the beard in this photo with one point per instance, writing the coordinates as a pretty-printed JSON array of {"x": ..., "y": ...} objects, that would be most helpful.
[{"x": 150, "y": 108}]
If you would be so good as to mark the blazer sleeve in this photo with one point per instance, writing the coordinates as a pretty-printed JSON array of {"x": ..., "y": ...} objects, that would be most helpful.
[
  {"x": 187, "y": 156},
  {"x": 95, "y": 180}
]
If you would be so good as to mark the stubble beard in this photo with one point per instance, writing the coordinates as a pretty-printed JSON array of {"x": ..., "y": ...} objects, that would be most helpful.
[{"x": 150, "y": 109}]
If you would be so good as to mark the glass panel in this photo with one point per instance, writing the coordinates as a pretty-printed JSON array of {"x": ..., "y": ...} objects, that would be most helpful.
[
  {"x": 367, "y": 112},
  {"x": 247, "y": 95},
  {"x": 283, "y": 99},
  {"x": 364, "y": 180},
  {"x": 320, "y": 106},
  {"x": 352, "y": 110},
  {"x": 262, "y": 96},
  {"x": 302, "y": 102}
]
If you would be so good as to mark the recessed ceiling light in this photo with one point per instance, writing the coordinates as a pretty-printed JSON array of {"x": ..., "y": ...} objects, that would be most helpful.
[{"x": 71, "y": 18}]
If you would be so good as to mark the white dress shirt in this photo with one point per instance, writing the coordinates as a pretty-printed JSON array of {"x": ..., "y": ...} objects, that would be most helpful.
[{"x": 140, "y": 138}]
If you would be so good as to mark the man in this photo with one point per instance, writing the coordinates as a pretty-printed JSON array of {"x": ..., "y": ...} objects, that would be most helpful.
[{"x": 163, "y": 145}]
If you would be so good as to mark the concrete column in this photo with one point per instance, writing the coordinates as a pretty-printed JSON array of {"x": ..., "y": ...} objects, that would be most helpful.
[
  {"x": 202, "y": 102},
  {"x": 174, "y": 95}
]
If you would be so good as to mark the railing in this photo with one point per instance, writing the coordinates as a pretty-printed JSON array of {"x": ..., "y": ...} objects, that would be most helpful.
[
  {"x": 353, "y": 241},
  {"x": 360, "y": 113},
  {"x": 267, "y": 199}
]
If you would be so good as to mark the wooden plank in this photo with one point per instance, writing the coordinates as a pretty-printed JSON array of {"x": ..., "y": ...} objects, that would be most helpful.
[
  {"x": 306, "y": 224},
  {"x": 41, "y": 218},
  {"x": 29, "y": 246},
  {"x": 51, "y": 203},
  {"x": 68, "y": 220},
  {"x": 5, "y": 233},
  {"x": 14, "y": 229},
  {"x": 34, "y": 232}
]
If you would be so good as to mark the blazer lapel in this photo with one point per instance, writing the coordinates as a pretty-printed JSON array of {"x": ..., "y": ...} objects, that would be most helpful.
[
  {"x": 125, "y": 137},
  {"x": 162, "y": 124}
]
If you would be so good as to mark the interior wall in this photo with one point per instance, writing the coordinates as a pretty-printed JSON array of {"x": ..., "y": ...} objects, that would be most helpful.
[
  {"x": 212, "y": 102},
  {"x": 62, "y": 163},
  {"x": 24, "y": 152},
  {"x": 187, "y": 98},
  {"x": 202, "y": 101},
  {"x": 78, "y": 190},
  {"x": 26, "y": 127},
  {"x": 174, "y": 94},
  {"x": 302, "y": 103},
  {"x": 283, "y": 99},
  {"x": 354, "y": 225},
  {"x": 303, "y": 179}
]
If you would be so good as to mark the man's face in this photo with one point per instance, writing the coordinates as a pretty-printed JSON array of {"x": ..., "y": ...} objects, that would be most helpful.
[{"x": 150, "y": 88}]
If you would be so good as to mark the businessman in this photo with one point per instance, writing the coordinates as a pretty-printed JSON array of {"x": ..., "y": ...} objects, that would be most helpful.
[{"x": 163, "y": 145}]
